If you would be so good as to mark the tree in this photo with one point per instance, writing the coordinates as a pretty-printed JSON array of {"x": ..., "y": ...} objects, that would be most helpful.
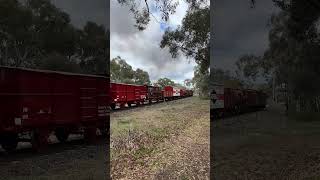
[
  {"x": 141, "y": 77},
  {"x": 162, "y": 82},
  {"x": 58, "y": 62},
  {"x": 121, "y": 71},
  {"x": 201, "y": 82},
  {"x": 293, "y": 53},
  {"x": 192, "y": 38},
  {"x": 33, "y": 32},
  {"x": 187, "y": 83}
]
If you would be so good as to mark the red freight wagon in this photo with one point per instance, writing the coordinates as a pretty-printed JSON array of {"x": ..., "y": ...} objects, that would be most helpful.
[
  {"x": 141, "y": 93},
  {"x": 233, "y": 100},
  {"x": 168, "y": 92},
  {"x": 127, "y": 94},
  {"x": 118, "y": 94},
  {"x": 154, "y": 93},
  {"x": 36, "y": 102},
  {"x": 183, "y": 92},
  {"x": 251, "y": 98}
]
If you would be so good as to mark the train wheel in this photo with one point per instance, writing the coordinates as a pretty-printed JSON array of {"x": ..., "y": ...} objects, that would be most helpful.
[
  {"x": 62, "y": 134},
  {"x": 129, "y": 104},
  {"x": 39, "y": 140},
  {"x": 113, "y": 106},
  {"x": 9, "y": 142},
  {"x": 90, "y": 135}
]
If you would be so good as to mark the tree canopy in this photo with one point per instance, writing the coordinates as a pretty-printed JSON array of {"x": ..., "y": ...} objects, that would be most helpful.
[
  {"x": 36, "y": 34},
  {"x": 121, "y": 71},
  {"x": 292, "y": 57},
  {"x": 162, "y": 82}
]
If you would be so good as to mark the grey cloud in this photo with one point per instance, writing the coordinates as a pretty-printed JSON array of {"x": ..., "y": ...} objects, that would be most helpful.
[
  {"x": 238, "y": 30},
  {"x": 81, "y": 11}
]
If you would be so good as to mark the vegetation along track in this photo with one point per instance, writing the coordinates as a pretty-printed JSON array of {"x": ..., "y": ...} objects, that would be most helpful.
[{"x": 165, "y": 141}]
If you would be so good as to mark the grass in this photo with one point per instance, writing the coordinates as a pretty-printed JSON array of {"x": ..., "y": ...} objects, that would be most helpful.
[{"x": 137, "y": 134}]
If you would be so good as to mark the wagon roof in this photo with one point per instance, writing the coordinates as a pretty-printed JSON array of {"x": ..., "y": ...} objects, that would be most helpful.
[
  {"x": 127, "y": 84},
  {"x": 53, "y": 72}
]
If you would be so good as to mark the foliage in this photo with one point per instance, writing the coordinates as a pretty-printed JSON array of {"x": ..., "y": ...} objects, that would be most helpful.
[
  {"x": 192, "y": 38},
  {"x": 293, "y": 54},
  {"x": 162, "y": 82},
  {"x": 121, "y": 71},
  {"x": 188, "y": 83},
  {"x": 36, "y": 34}
]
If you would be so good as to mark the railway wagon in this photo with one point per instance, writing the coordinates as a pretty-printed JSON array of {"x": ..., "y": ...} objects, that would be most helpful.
[
  {"x": 167, "y": 93},
  {"x": 189, "y": 93},
  {"x": 183, "y": 93},
  {"x": 176, "y": 93},
  {"x": 127, "y": 94},
  {"x": 35, "y": 103},
  {"x": 154, "y": 94},
  {"x": 235, "y": 101}
]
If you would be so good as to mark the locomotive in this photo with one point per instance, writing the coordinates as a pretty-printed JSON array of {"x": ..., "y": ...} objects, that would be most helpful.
[{"x": 235, "y": 101}]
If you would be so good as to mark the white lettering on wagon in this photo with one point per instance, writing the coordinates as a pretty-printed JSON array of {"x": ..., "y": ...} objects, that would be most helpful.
[
  {"x": 17, "y": 121},
  {"x": 25, "y": 109}
]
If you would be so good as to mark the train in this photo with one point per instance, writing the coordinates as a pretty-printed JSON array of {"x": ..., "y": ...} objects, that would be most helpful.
[
  {"x": 36, "y": 103},
  {"x": 235, "y": 101},
  {"x": 129, "y": 94}
]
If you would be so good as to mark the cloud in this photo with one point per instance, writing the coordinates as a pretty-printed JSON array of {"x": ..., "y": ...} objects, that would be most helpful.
[
  {"x": 239, "y": 29},
  {"x": 81, "y": 11},
  {"x": 141, "y": 49}
]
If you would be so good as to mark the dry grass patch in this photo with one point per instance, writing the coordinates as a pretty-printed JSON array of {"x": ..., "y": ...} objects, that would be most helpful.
[{"x": 138, "y": 136}]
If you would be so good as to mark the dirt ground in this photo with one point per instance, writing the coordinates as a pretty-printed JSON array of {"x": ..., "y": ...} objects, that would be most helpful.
[
  {"x": 74, "y": 160},
  {"x": 167, "y": 140},
  {"x": 266, "y": 145}
]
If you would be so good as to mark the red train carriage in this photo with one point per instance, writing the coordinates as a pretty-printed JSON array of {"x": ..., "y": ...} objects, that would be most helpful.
[
  {"x": 127, "y": 94},
  {"x": 35, "y": 103},
  {"x": 229, "y": 100},
  {"x": 168, "y": 93},
  {"x": 189, "y": 93},
  {"x": 183, "y": 93},
  {"x": 154, "y": 94},
  {"x": 176, "y": 93}
]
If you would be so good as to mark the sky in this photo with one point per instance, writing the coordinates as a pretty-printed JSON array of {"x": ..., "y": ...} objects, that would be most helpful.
[
  {"x": 81, "y": 11},
  {"x": 141, "y": 49},
  {"x": 238, "y": 30}
]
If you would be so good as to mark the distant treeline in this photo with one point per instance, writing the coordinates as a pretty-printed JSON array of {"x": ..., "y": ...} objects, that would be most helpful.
[
  {"x": 122, "y": 72},
  {"x": 36, "y": 34}
]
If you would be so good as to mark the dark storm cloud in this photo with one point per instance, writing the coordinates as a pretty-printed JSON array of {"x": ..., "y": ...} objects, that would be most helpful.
[
  {"x": 81, "y": 11},
  {"x": 239, "y": 29}
]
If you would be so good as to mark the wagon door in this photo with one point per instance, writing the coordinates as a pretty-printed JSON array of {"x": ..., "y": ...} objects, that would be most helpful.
[{"x": 88, "y": 101}]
